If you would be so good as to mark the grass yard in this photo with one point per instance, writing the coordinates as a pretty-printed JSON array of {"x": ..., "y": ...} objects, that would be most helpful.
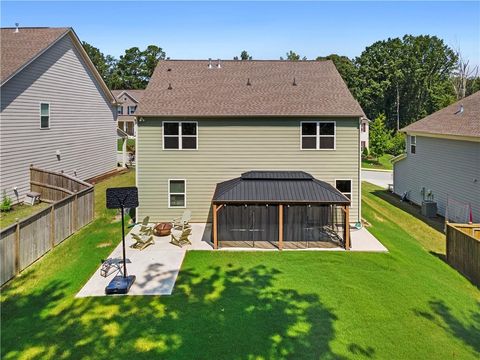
[
  {"x": 383, "y": 163},
  {"x": 406, "y": 304},
  {"x": 130, "y": 144},
  {"x": 19, "y": 211}
]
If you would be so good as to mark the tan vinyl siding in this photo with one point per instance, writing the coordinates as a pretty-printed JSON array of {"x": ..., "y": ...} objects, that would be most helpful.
[
  {"x": 82, "y": 121},
  {"x": 447, "y": 167},
  {"x": 228, "y": 147}
]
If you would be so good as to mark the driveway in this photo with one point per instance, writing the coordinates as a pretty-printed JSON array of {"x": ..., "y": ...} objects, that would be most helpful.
[{"x": 378, "y": 177}]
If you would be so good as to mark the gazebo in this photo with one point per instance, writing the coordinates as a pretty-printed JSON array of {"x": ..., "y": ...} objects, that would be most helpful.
[{"x": 279, "y": 210}]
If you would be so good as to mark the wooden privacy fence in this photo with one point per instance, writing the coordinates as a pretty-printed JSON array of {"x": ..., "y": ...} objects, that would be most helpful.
[
  {"x": 28, "y": 239},
  {"x": 463, "y": 249}
]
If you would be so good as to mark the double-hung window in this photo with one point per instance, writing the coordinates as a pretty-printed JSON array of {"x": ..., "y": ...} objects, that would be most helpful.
[
  {"x": 180, "y": 135},
  {"x": 413, "y": 144},
  {"x": 131, "y": 109},
  {"x": 44, "y": 116},
  {"x": 177, "y": 193},
  {"x": 318, "y": 135},
  {"x": 345, "y": 187},
  {"x": 119, "y": 110}
]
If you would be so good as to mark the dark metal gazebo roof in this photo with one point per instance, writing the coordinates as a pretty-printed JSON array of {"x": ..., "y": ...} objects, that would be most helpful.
[{"x": 286, "y": 187}]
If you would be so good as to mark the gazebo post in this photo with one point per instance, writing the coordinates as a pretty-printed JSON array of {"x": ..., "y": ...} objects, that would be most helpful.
[
  {"x": 215, "y": 239},
  {"x": 347, "y": 227},
  {"x": 280, "y": 226}
]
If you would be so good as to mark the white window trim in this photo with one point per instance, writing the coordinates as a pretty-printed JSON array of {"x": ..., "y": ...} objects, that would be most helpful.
[
  {"x": 184, "y": 194},
  {"x": 179, "y": 135},
  {"x": 40, "y": 112},
  {"x": 318, "y": 136},
  {"x": 134, "y": 109},
  {"x": 413, "y": 142},
  {"x": 351, "y": 188},
  {"x": 121, "y": 114}
]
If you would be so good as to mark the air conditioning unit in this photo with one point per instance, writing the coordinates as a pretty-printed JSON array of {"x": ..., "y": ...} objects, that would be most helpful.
[{"x": 429, "y": 208}]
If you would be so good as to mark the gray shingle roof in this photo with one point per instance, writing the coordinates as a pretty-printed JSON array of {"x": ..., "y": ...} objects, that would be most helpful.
[
  {"x": 247, "y": 88},
  {"x": 451, "y": 121},
  {"x": 277, "y": 187}
]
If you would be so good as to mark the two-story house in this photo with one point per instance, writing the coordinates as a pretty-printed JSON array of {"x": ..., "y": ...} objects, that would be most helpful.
[
  {"x": 442, "y": 161},
  {"x": 56, "y": 111},
  {"x": 127, "y": 105},
  {"x": 232, "y": 139}
]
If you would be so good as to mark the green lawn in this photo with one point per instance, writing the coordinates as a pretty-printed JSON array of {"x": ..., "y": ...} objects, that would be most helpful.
[
  {"x": 130, "y": 144},
  {"x": 383, "y": 163},
  {"x": 406, "y": 304},
  {"x": 19, "y": 211}
]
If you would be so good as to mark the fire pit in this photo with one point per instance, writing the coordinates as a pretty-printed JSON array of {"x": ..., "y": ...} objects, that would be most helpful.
[{"x": 162, "y": 229}]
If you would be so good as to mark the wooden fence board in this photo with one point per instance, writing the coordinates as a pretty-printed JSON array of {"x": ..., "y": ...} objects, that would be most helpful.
[
  {"x": 463, "y": 250},
  {"x": 73, "y": 207},
  {"x": 7, "y": 254},
  {"x": 34, "y": 237}
]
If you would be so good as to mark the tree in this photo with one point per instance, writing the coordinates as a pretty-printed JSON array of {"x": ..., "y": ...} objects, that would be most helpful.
[
  {"x": 98, "y": 59},
  {"x": 293, "y": 56},
  {"x": 379, "y": 136},
  {"x": 406, "y": 79},
  {"x": 245, "y": 56},
  {"x": 345, "y": 67},
  {"x": 465, "y": 77},
  {"x": 134, "y": 68}
]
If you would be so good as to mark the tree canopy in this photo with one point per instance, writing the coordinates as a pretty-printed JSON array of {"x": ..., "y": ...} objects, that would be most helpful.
[{"x": 131, "y": 71}]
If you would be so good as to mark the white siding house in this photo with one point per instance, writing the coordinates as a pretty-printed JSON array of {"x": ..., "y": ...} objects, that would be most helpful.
[{"x": 56, "y": 111}]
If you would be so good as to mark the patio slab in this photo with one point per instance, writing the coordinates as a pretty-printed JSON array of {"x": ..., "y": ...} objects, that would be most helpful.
[{"x": 157, "y": 266}]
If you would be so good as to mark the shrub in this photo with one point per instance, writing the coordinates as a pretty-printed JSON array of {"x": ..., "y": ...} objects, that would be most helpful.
[
  {"x": 396, "y": 145},
  {"x": 6, "y": 204}
]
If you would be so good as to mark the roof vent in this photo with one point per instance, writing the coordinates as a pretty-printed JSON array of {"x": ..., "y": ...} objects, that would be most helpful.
[
  {"x": 16, "y": 27},
  {"x": 169, "y": 69},
  {"x": 169, "y": 86},
  {"x": 219, "y": 66},
  {"x": 294, "y": 82},
  {"x": 248, "y": 82},
  {"x": 209, "y": 63}
]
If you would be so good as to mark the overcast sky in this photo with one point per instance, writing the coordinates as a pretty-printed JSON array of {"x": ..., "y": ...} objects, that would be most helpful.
[{"x": 267, "y": 30}]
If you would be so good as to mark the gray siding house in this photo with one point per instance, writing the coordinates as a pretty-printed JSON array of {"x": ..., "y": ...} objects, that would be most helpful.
[
  {"x": 443, "y": 159},
  {"x": 200, "y": 124},
  {"x": 56, "y": 111}
]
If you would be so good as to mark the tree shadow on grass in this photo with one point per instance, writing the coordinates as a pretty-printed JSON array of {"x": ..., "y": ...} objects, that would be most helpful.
[
  {"x": 223, "y": 312},
  {"x": 441, "y": 315}
]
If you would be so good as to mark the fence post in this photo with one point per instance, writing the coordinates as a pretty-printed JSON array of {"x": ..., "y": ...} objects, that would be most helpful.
[
  {"x": 17, "y": 247},
  {"x": 74, "y": 212},
  {"x": 52, "y": 226}
]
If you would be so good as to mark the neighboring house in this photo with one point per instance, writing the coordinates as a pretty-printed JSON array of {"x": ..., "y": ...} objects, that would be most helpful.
[
  {"x": 364, "y": 134},
  {"x": 201, "y": 124},
  {"x": 443, "y": 158},
  {"x": 56, "y": 111},
  {"x": 127, "y": 105}
]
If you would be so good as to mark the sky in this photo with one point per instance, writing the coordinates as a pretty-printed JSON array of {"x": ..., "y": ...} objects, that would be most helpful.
[{"x": 267, "y": 30}]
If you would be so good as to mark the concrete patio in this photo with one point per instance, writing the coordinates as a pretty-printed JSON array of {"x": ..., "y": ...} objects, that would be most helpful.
[{"x": 157, "y": 266}]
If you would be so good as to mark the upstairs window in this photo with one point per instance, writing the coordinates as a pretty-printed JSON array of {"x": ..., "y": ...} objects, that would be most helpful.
[
  {"x": 180, "y": 135},
  {"x": 177, "y": 194},
  {"x": 345, "y": 187},
  {"x": 120, "y": 110},
  {"x": 131, "y": 109},
  {"x": 318, "y": 135},
  {"x": 44, "y": 116},
  {"x": 413, "y": 144},
  {"x": 364, "y": 127}
]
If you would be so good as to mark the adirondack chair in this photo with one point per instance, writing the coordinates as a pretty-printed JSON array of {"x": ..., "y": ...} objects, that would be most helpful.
[
  {"x": 141, "y": 241},
  {"x": 182, "y": 222},
  {"x": 145, "y": 229},
  {"x": 182, "y": 238}
]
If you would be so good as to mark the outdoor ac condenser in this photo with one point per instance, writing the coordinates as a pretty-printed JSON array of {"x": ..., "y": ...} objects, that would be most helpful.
[{"x": 429, "y": 208}]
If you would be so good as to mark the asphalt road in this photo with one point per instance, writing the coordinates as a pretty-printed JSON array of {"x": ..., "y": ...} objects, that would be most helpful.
[{"x": 379, "y": 178}]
